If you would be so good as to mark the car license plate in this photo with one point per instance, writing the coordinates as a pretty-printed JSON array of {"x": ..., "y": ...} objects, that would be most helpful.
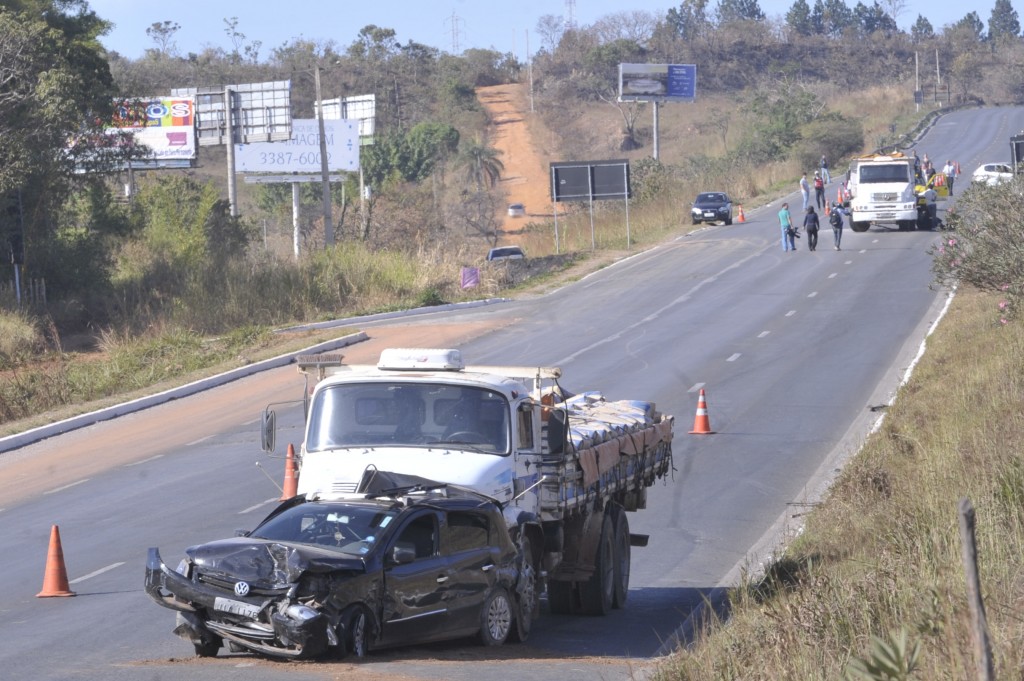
[
  {"x": 887, "y": 216},
  {"x": 236, "y": 607},
  {"x": 708, "y": 215}
]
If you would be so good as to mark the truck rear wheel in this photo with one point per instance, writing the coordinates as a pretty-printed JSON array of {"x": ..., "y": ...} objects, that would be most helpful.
[
  {"x": 597, "y": 594},
  {"x": 622, "y": 557}
]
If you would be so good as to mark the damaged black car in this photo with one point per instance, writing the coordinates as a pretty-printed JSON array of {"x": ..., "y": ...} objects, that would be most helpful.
[{"x": 345, "y": 576}]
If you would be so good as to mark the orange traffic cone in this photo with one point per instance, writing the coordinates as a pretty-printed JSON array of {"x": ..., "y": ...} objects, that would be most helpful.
[
  {"x": 291, "y": 476},
  {"x": 701, "y": 423},
  {"x": 55, "y": 579},
  {"x": 827, "y": 210},
  {"x": 742, "y": 217}
]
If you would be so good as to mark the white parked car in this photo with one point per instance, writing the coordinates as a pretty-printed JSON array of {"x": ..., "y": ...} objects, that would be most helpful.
[
  {"x": 516, "y": 210},
  {"x": 993, "y": 173}
]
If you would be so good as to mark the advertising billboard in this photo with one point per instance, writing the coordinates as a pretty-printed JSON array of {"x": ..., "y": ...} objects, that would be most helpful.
[
  {"x": 166, "y": 125},
  {"x": 301, "y": 154},
  {"x": 657, "y": 82}
]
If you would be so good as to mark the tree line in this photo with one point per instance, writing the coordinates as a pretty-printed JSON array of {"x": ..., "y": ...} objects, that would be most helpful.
[{"x": 431, "y": 171}]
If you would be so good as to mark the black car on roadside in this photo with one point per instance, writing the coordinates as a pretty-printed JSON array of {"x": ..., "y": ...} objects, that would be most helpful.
[
  {"x": 711, "y": 207},
  {"x": 344, "y": 576}
]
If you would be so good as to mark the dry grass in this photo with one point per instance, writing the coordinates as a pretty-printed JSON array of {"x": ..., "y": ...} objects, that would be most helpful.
[{"x": 882, "y": 553}]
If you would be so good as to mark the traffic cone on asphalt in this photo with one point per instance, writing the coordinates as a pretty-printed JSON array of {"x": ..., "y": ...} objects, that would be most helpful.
[
  {"x": 827, "y": 210},
  {"x": 742, "y": 217},
  {"x": 291, "y": 476},
  {"x": 55, "y": 578},
  {"x": 701, "y": 423}
]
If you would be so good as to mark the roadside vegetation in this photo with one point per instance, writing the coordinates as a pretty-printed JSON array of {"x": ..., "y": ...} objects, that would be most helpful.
[
  {"x": 874, "y": 586},
  {"x": 123, "y": 294}
]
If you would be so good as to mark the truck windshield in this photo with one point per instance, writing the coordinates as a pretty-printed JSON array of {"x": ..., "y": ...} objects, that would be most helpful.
[
  {"x": 417, "y": 414},
  {"x": 889, "y": 172}
]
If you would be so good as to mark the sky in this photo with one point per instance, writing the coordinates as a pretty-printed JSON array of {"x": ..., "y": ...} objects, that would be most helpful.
[{"x": 450, "y": 25}]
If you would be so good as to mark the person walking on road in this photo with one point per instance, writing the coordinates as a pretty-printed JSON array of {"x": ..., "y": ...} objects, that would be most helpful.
[
  {"x": 824, "y": 170},
  {"x": 811, "y": 225},
  {"x": 819, "y": 191},
  {"x": 949, "y": 170},
  {"x": 836, "y": 220},
  {"x": 805, "y": 189},
  {"x": 788, "y": 231}
]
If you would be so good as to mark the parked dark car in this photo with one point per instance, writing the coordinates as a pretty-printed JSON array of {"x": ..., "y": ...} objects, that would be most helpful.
[
  {"x": 711, "y": 207},
  {"x": 346, "y": 576}
]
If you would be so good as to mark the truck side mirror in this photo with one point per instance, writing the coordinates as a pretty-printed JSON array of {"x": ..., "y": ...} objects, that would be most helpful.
[
  {"x": 558, "y": 431},
  {"x": 268, "y": 430}
]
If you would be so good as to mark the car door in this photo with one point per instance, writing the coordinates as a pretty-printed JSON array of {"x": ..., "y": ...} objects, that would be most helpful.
[
  {"x": 474, "y": 567},
  {"x": 414, "y": 603}
]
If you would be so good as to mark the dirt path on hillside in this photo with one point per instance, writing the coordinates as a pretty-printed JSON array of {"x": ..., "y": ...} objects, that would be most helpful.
[{"x": 525, "y": 177}]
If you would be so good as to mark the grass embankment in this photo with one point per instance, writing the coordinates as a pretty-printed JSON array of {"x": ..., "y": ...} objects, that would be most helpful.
[{"x": 880, "y": 558}]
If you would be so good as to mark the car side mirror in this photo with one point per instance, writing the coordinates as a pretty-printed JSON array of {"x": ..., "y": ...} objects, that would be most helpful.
[{"x": 268, "y": 430}]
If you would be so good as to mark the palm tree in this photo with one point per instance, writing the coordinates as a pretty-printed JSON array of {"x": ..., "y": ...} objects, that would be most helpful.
[{"x": 483, "y": 166}]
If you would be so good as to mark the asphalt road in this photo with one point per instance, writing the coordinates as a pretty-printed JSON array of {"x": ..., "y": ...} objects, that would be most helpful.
[{"x": 793, "y": 350}]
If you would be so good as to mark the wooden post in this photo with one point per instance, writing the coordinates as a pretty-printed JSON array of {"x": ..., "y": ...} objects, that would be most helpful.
[{"x": 979, "y": 629}]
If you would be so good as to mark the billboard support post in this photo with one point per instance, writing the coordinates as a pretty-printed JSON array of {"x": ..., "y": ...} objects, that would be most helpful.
[
  {"x": 655, "y": 102},
  {"x": 230, "y": 132},
  {"x": 295, "y": 219},
  {"x": 324, "y": 173}
]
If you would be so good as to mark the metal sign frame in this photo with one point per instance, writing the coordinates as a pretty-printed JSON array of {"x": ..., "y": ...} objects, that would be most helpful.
[{"x": 261, "y": 112}]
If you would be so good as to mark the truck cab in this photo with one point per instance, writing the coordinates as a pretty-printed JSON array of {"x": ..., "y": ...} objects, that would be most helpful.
[{"x": 882, "y": 191}]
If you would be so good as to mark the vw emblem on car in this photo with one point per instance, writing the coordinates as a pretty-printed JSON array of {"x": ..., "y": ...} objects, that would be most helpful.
[{"x": 241, "y": 588}]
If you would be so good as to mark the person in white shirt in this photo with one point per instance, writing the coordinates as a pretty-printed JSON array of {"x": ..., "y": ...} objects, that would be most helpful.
[{"x": 949, "y": 170}]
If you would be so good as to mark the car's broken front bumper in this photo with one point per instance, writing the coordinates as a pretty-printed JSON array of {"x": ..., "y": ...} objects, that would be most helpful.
[{"x": 273, "y": 626}]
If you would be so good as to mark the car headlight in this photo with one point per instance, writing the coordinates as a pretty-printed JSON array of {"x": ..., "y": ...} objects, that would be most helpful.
[
  {"x": 183, "y": 568},
  {"x": 297, "y": 611},
  {"x": 695, "y": 210}
]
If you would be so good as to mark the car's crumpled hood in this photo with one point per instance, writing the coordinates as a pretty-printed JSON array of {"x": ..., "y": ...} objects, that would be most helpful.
[{"x": 267, "y": 562}]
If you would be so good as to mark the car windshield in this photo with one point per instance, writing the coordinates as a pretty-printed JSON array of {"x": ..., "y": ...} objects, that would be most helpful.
[
  {"x": 710, "y": 198},
  {"x": 417, "y": 414},
  {"x": 889, "y": 172},
  {"x": 346, "y": 528}
]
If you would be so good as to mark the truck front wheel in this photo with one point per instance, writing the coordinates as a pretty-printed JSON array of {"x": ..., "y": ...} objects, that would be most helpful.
[{"x": 860, "y": 226}]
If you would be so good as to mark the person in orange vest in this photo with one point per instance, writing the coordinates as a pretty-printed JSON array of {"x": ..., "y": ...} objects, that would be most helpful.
[{"x": 819, "y": 190}]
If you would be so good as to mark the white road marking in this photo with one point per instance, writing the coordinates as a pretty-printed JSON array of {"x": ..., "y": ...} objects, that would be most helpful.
[
  {"x": 96, "y": 573},
  {"x": 733, "y": 358},
  {"x": 136, "y": 463},
  {"x": 848, "y": 262},
  {"x": 791, "y": 313},
  {"x": 259, "y": 505},
  {"x": 61, "y": 489},
  {"x": 195, "y": 442},
  {"x": 696, "y": 387},
  {"x": 763, "y": 334},
  {"x": 812, "y": 294},
  {"x": 863, "y": 250},
  {"x": 833, "y": 275}
]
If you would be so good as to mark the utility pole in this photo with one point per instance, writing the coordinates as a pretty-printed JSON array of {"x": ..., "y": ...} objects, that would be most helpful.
[
  {"x": 529, "y": 68},
  {"x": 324, "y": 173}
]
